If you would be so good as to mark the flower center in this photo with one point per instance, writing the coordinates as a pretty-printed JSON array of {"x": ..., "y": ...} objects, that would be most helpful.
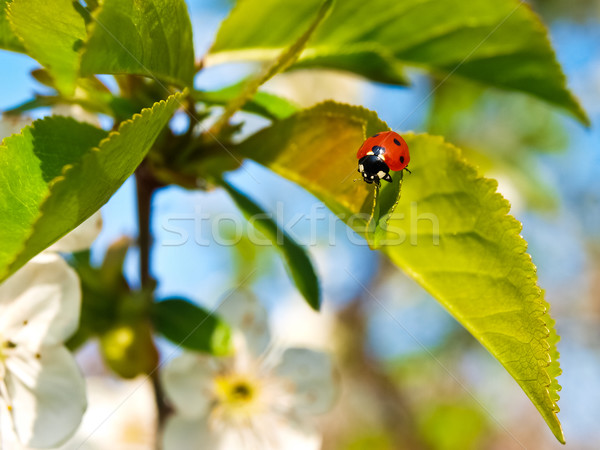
[
  {"x": 235, "y": 389},
  {"x": 241, "y": 391},
  {"x": 237, "y": 397}
]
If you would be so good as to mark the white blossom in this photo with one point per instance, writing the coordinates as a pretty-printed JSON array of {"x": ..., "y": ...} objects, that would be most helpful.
[
  {"x": 41, "y": 387},
  {"x": 260, "y": 398},
  {"x": 121, "y": 414}
]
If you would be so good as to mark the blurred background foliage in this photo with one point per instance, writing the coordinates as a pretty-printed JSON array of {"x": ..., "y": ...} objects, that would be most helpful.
[{"x": 411, "y": 377}]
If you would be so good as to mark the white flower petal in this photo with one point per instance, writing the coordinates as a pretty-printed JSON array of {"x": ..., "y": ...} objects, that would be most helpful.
[
  {"x": 189, "y": 382},
  {"x": 312, "y": 379},
  {"x": 120, "y": 415},
  {"x": 244, "y": 312},
  {"x": 76, "y": 112},
  {"x": 40, "y": 303},
  {"x": 81, "y": 238},
  {"x": 291, "y": 319},
  {"x": 48, "y": 395},
  {"x": 284, "y": 434},
  {"x": 275, "y": 433},
  {"x": 8, "y": 436},
  {"x": 185, "y": 434}
]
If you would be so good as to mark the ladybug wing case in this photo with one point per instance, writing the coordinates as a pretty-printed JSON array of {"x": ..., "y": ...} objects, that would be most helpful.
[
  {"x": 365, "y": 147},
  {"x": 397, "y": 155}
]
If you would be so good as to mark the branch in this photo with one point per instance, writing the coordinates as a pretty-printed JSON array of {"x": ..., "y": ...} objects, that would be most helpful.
[{"x": 146, "y": 185}]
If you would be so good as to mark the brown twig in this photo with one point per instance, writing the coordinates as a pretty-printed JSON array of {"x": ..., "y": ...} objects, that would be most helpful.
[{"x": 146, "y": 185}]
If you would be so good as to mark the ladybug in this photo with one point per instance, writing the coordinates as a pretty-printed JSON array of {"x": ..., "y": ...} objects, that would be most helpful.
[{"x": 381, "y": 153}]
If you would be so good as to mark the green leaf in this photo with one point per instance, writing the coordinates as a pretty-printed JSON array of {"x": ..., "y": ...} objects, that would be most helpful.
[
  {"x": 295, "y": 147},
  {"x": 189, "y": 326},
  {"x": 8, "y": 39},
  {"x": 497, "y": 43},
  {"x": 368, "y": 61},
  {"x": 287, "y": 57},
  {"x": 52, "y": 33},
  {"x": 460, "y": 243},
  {"x": 58, "y": 172},
  {"x": 296, "y": 258},
  {"x": 450, "y": 231},
  {"x": 152, "y": 38},
  {"x": 265, "y": 104},
  {"x": 383, "y": 207}
]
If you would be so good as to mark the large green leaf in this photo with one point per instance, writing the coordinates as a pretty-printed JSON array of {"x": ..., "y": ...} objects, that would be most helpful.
[
  {"x": 450, "y": 231},
  {"x": 152, "y": 38},
  {"x": 8, "y": 39},
  {"x": 295, "y": 257},
  {"x": 368, "y": 61},
  {"x": 58, "y": 172},
  {"x": 52, "y": 33},
  {"x": 498, "y": 43}
]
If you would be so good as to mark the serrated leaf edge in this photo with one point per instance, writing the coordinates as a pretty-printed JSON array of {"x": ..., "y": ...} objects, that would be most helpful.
[
  {"x": 577, "y": 111},
  {"x": 68, "y": 167},
  {"x": 535, "y": 295},
  {"x": 548, "y": 365},
  {"x": 144, "y": 71}
]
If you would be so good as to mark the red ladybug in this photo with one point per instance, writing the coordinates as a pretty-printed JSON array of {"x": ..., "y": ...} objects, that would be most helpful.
[{"x": 381, "y": 153}]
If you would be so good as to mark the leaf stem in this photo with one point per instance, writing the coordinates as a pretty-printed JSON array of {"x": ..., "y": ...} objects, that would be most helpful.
[{"x": 286, "y": 58}]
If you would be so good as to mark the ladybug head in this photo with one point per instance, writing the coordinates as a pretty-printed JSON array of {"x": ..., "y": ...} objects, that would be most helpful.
[{"x": 374, "y": 169}]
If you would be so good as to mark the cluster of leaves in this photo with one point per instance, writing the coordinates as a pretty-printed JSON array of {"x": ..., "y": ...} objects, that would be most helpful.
[{"x": 450, "y": 230}]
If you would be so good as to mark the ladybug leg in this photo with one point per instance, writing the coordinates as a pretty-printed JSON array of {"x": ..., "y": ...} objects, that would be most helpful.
[
  {"x": 406, "y": 168},
  {"x": 387, "y": 178}
]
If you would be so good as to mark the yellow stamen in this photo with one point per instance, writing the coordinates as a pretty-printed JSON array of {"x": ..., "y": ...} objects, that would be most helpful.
[{"x": 237, "y": 397}]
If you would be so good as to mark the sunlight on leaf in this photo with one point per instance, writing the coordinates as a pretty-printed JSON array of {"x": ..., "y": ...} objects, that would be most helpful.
[
  {"x": 8, "y": 39},
  {"x": 295, "y": 147},
  {"x": 456, "y": 239},
  {"x": 450, "y": 231},
  {"x": 53, "y": 43}
]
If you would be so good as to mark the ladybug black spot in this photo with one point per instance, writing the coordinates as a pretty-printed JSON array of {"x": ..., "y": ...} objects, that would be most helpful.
[
  {"x": 402, "y": 159},
  {"x": 378, "y": 150},
  {"x": 375, "y": 135},
  {"x": 397, "y": 142}
]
